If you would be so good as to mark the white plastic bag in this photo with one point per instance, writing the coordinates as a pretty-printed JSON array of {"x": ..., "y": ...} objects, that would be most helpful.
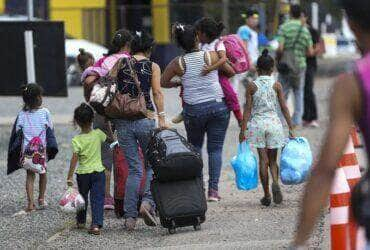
[
  {"x": 71, "y": 201},
  {"x": 99, "y": 92}
]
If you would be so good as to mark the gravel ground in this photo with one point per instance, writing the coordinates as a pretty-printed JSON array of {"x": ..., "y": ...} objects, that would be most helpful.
[{"x": 237, "y": 222}]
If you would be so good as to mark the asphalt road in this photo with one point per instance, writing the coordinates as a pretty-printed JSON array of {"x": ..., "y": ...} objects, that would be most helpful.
[{"x": 237, "y": 222}]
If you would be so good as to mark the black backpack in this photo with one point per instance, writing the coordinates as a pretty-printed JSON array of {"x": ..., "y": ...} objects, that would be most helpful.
[{"x": 172, "y": 157}]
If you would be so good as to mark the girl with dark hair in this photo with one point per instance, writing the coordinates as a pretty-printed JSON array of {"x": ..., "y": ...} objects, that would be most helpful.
[
  {"x": 120, "y": 48},
  {"x": 262, "y": 127},
  {"x": 85, "y": 59},
  {"x": 133, "y": 134},
  {"x": 33, "y": 121},
  {"x": 205, "y": 111},
  {"x": 349, "y": 105},
  {"x": 90, "y": 171},
  {"x": 209, "y": 32}
]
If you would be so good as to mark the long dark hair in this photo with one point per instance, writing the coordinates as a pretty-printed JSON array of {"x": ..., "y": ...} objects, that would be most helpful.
[
  {"x": 209, "y": 27},
  {"x": 121, "y": 38},
  {"x": 185, "y": 36},
  {"x": 142, "y": 42},
  {"x": 358, "y": 11},
  {"x": 32, "y": 96}
]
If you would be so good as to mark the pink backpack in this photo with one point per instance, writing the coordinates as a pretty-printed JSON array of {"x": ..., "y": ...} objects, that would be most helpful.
[{"x": 236, "y": 53}]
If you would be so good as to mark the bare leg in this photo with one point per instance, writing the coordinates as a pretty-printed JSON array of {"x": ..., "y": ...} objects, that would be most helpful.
[
  {"x": 42, "y": 188},
  {"x": 108, "y": 174},
  {"x": 29, "y": 189},
  {"x": 264, "y": 176},
  {"x": 274, "y": 169}
]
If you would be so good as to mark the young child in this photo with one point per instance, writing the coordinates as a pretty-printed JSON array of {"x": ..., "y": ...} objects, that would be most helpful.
[
  {"x": 209, "y": 32},
  {"x": 34, "y": 121},
  {"x": 265, "y": 130},
  {"x": 90, "y": 173},
  {"x": 85, "y": 60}
]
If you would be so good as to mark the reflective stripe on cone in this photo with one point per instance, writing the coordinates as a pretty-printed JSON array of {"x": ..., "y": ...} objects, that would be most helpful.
[{"x": 339, "y": 209}]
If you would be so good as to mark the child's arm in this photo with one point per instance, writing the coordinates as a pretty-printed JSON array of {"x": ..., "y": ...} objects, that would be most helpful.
[
  {"x": 72, "y": 168},
  {"x": 247, "y": 110},
  {"x": 222, "y": 59},
  {"x": 284, "y": 107}
]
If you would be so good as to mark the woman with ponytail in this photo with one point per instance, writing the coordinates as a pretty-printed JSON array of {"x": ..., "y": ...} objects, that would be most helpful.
[
  {"x": 205, "y": 110},
  {"x": 262, "y": 127},
  {"x": 209, "y": 32}
]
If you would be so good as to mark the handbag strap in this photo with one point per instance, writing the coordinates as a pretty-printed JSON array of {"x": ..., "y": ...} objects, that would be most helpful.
[{"x": 134, "y": 74}]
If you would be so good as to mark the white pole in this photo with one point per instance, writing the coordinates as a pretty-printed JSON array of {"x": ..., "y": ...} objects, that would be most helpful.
[
  {"x": 28, "y": 42},
  {"x": 315, "y": 15}
]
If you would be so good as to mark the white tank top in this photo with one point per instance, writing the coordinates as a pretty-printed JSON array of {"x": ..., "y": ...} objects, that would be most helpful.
[{"x": 199, "y": 88}]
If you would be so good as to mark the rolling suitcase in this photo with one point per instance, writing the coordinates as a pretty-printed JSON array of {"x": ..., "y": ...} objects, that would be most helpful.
[
  {"x": 120, "y": 171},
  {"x": 180, "y": 203}
]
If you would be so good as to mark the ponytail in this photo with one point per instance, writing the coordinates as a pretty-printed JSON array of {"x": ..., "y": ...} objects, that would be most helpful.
[{"x": 185, "y": 36}]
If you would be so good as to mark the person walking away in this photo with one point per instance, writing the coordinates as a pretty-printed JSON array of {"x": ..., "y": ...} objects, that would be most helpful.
[
  {"x": 209, "y": 32},
  {"x": 294, "y": 38},
  {"x": 310, "y": 115},
  {"x": 349, "y": 105},
  {"x": 133, "y": 134},
  {"x": 34, "y": 120},
  {"x": 205, "y": 110},
  {"x": 120, "y": 48},
  {"x": 90, "y": 172},
  {"x": 248, "y": 34},
  {"x": 262, "y": 127}
]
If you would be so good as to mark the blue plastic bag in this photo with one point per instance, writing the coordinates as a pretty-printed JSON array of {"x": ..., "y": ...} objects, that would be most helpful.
[
  {"x": 296, "y": 161},
  {"x": 245, "y": 168}
]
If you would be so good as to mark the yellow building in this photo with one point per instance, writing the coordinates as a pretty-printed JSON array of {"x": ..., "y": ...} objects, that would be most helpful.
[
  {"x": 2, "y": 6},
  {"x": 82, "y": 19}
]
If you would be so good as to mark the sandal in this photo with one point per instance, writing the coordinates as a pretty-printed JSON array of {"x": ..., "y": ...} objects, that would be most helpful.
[
  {"x": 276, "y": 193},
  {"x": 266, "y": 201},
  {"x": 94, "y": 230},
  {"x": 42, "y": 204},
  {"x": 30, "y": 209},
  {"x": 147, "y": 213}
]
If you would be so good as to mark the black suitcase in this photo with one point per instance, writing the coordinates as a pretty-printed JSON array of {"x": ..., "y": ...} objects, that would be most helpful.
[
  {"x": 172, "y": 157},
  {"x": 180, "y": 203}
]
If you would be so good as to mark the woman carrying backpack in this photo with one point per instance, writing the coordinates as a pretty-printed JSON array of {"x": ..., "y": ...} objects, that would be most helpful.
[
  {"x": 135, "y": 133},
  {"x": 205, "y": 110}
]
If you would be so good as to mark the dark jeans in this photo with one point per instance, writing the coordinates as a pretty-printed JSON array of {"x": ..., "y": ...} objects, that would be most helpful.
[
  {"x": 94, "y": 184},
  {"x": 131, "y": 136},
  {"x": 211, "y": 118},
  {"x": 310, "y": 108}
]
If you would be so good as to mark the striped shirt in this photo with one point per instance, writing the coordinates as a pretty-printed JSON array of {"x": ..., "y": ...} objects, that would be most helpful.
[
  {"x": 287, "y": 35},
  {"x": 34, "y": 123},
  {"x": 199, "y": 88}
]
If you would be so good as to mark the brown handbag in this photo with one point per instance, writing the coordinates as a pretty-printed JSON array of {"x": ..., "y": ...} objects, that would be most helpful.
[{"x": 125, "y": 106}]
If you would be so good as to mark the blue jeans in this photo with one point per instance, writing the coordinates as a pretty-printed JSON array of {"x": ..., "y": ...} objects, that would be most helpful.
[
  {"x": 297, "y": 85},
  {"x": 95, "y": 184},
  {"x": 211, "y": 118},
  {"x": 131, "y": 136}
]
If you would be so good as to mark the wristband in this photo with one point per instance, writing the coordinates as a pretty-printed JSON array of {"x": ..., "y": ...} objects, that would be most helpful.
[{"x": 162, "y": 114}]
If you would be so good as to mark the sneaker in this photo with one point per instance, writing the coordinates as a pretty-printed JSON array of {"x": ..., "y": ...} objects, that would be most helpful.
[
  {"x": 213, "y": 196},
  {"x": 177, "y": 119},
  {"x": 109, "y": 203},
  {"x": 266, "y": 201},
  {"x": 148, "y": 214},
  {"x": 130, "y": 224}
]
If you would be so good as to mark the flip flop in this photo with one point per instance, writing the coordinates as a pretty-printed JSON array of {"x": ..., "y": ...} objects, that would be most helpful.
[{"x": 148, "y": 217}]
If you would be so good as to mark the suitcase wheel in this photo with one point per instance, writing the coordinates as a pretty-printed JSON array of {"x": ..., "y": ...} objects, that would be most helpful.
[
  {"x": 172, "y": 230},
  {"x": 197, "y": 227}
]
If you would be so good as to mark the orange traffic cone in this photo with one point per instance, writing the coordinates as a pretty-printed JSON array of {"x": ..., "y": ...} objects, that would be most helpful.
[
  {"x": 351, "y": 169},
  {"x": 339, "y": 209},
  {"x": 356, "y": 138}
]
